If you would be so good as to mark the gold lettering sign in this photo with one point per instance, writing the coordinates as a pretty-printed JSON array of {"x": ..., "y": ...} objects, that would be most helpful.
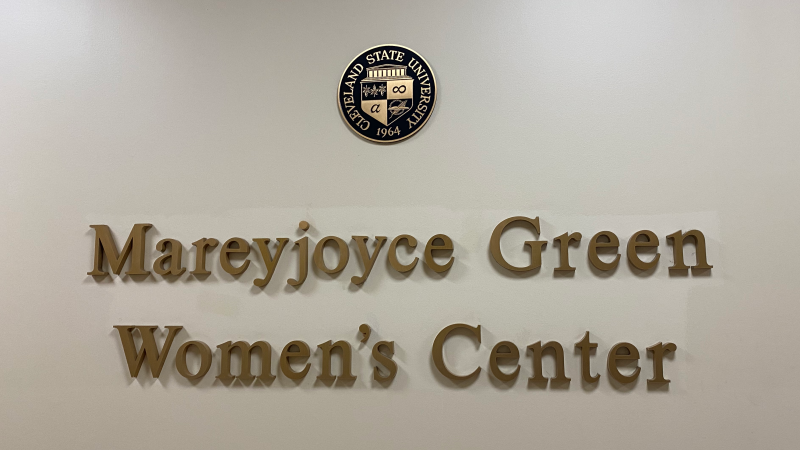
[
  {"x": 235, "y": 253},
  {"x": 296, "y": 359},
  {"x": 385, "y": 369}
]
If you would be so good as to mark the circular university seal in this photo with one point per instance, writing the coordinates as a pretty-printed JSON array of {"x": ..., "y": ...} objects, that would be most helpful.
[{"x": 387, "y": 93}]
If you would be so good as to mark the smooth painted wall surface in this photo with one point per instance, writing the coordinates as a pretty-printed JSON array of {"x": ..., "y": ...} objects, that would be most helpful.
[{"x": 218, "y": 119}]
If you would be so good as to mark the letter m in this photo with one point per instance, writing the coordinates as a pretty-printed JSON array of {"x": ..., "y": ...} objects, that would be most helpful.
[
  {"x": 104, "y": 245},
  {"x": 148, "y": 349}
]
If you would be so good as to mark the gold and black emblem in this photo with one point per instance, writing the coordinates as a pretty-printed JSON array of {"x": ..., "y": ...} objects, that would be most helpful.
[{"x": 387, "y": 93}]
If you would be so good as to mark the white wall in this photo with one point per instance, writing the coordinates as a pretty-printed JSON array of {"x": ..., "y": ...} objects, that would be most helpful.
[{"x": 218, "y": 119}]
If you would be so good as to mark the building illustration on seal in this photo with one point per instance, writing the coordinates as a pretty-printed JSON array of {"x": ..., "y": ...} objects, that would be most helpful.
[{"x": 387, "y": 93}]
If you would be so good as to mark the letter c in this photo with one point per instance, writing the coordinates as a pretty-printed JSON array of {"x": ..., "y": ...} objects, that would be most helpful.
[
  {"x": 536, "y": 246},
  {"x": 438, "y": 350}
]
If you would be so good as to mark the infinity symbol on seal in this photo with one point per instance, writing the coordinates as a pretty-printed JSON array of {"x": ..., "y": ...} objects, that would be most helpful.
[{"x": 399, "y": 89}]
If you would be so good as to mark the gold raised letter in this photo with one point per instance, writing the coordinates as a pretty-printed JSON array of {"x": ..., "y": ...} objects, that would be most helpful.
[
  {"x": 227, "y": 348},
  {"x": 700, "y": 248},
  {"x": 173, "y": 256},
  {"x": 586, "y": 347},
  {"x": 447, "y": 245},
  {"x": 614, "y": 356},
  {"x": 344, "y": 255},
  {"x": 438, "y": 350},
  {"x": 536, "y": 246},
  {"x": 537, "y": 349},
  {"x": 224, "y": 255},
  {"x": 302, "y": 263},
  {"x": 509, "y": 351},
  {"x": 393, "y": 253},
  {"x": 366, "y": 259},
  {"x": 200, "y": 257},
  {"x": 658, "y": 350},
  {"x": 385, "y": 360},
  {"x": 594, "y": 244},
  {"x": 205, "y": 360},
  {"x": 269, "y": 261},
  {"x": 633, "y": 244},
  {"x": 347, "y": 356},
  {"x": 155, "y": 358},
  {"x": 104, "y": 245},
  {"x": 563, "y": 244},
  {"x": 302, "y": 352}
]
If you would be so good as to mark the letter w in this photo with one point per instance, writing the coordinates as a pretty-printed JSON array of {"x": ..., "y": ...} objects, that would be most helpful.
[{"x": 155, "y": 358}]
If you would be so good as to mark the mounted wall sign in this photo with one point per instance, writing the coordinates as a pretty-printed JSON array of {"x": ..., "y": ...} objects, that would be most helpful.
[
  {"x": 387, "y": 93},
  {"x": 438, "y": 257}
]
